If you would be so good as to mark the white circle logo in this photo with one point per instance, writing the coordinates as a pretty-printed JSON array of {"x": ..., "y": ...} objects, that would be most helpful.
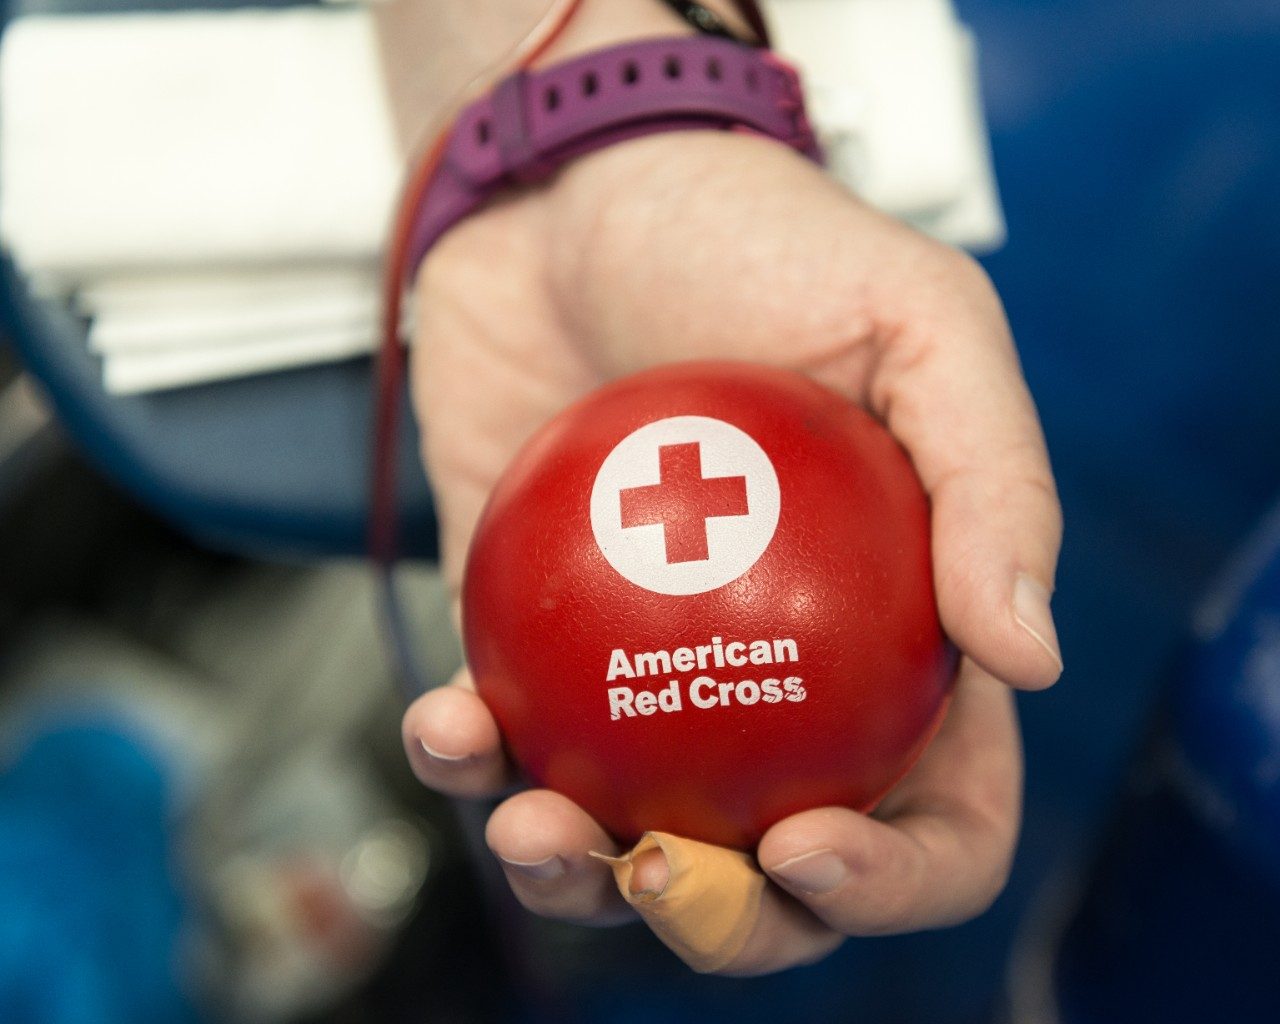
[{"x": 685, "y": 505}]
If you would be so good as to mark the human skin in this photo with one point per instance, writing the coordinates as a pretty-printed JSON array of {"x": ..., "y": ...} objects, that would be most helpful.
[{"x": 723, "y": 246}]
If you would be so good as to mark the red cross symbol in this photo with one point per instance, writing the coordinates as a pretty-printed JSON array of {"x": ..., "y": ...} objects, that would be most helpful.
[{"x": 684, "y": 501}]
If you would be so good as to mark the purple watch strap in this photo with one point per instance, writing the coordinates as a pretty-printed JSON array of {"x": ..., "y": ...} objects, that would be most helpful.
[{"x": 534, "y": 122}]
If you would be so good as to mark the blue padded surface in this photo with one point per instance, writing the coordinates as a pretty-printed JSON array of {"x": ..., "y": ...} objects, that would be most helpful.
[{"x": 274, "y": 465}]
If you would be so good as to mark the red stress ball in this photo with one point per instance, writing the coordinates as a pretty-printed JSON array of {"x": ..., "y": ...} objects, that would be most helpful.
[{"x": 701, "y": 600}]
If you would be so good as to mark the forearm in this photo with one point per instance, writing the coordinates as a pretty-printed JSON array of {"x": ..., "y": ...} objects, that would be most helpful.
[{"x": 432, "y": 50}]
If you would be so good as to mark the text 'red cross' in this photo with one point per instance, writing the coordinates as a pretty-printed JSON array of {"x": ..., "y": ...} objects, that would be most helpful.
[{"x": 684, "y": 501}]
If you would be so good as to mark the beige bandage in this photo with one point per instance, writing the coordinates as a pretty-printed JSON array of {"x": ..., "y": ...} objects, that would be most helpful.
[{"x": 710, "y": 904}]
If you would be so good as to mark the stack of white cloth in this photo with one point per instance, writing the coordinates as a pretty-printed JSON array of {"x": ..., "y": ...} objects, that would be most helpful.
[
  {"x": 893, "y": 91},
  {"x": 212, "y": 188}
]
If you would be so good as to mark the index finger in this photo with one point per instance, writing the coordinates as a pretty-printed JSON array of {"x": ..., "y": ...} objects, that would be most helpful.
[{"x": 949, "y": 386}]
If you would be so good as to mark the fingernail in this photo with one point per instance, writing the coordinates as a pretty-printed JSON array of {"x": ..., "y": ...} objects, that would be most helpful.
[
  {"x": 540, "y": 870},
  {"x": 447, "y": 758},
  {"x": 1031, "y": 609},
  {"x": 650, "y": 874},
  {"x": 819, "y": 872}
]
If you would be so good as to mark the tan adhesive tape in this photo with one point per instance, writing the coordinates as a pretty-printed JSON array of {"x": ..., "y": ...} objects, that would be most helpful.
[{"x": 710, "y": 904}]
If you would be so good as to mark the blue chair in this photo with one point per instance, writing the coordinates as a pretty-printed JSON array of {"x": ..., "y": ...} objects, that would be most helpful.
[{"x": 273, "y": 465}]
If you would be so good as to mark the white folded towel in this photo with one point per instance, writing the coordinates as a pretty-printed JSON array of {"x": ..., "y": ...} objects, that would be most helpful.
[
  {"x": 164, "y": 330},
  {"x": 153, "y": 313},
  {"x": 893, "y": 92},
  {"x": 155, "y": 141},
  {"x": 128, "y": 372}
]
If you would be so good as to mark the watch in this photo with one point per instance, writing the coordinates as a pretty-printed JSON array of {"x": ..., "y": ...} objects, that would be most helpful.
[{"x": 536, "y": 121}]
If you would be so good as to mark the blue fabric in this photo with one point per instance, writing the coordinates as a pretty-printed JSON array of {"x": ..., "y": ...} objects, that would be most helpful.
[
  {"x": 1138, "y": 145},
  {"x": 1181, "y": 915},
  {"x": 91, "y": 905},
  {"x": 1226, "y": 717}
]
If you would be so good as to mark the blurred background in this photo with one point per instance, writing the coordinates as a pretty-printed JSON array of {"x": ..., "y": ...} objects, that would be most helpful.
[{"x": 204, "y": 814}]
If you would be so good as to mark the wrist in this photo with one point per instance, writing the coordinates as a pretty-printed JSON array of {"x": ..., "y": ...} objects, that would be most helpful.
[
  {"x": 530, "y": 125},
  {"x": 433, "y": 49}
]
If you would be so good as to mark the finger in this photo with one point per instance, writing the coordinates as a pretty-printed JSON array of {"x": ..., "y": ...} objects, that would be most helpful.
[
  {"x": 950, "y": 388},
  {"x": 713, "y": 908},
  {"x": 940, "y": 855},
  {"x": 544, "y": 843},
  {"x": 453, "y": 743},
  {"x": 786, "y": 935}
]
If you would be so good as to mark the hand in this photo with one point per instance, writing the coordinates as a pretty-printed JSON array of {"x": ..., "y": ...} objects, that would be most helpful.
[{"x": 716, "y": 245}]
